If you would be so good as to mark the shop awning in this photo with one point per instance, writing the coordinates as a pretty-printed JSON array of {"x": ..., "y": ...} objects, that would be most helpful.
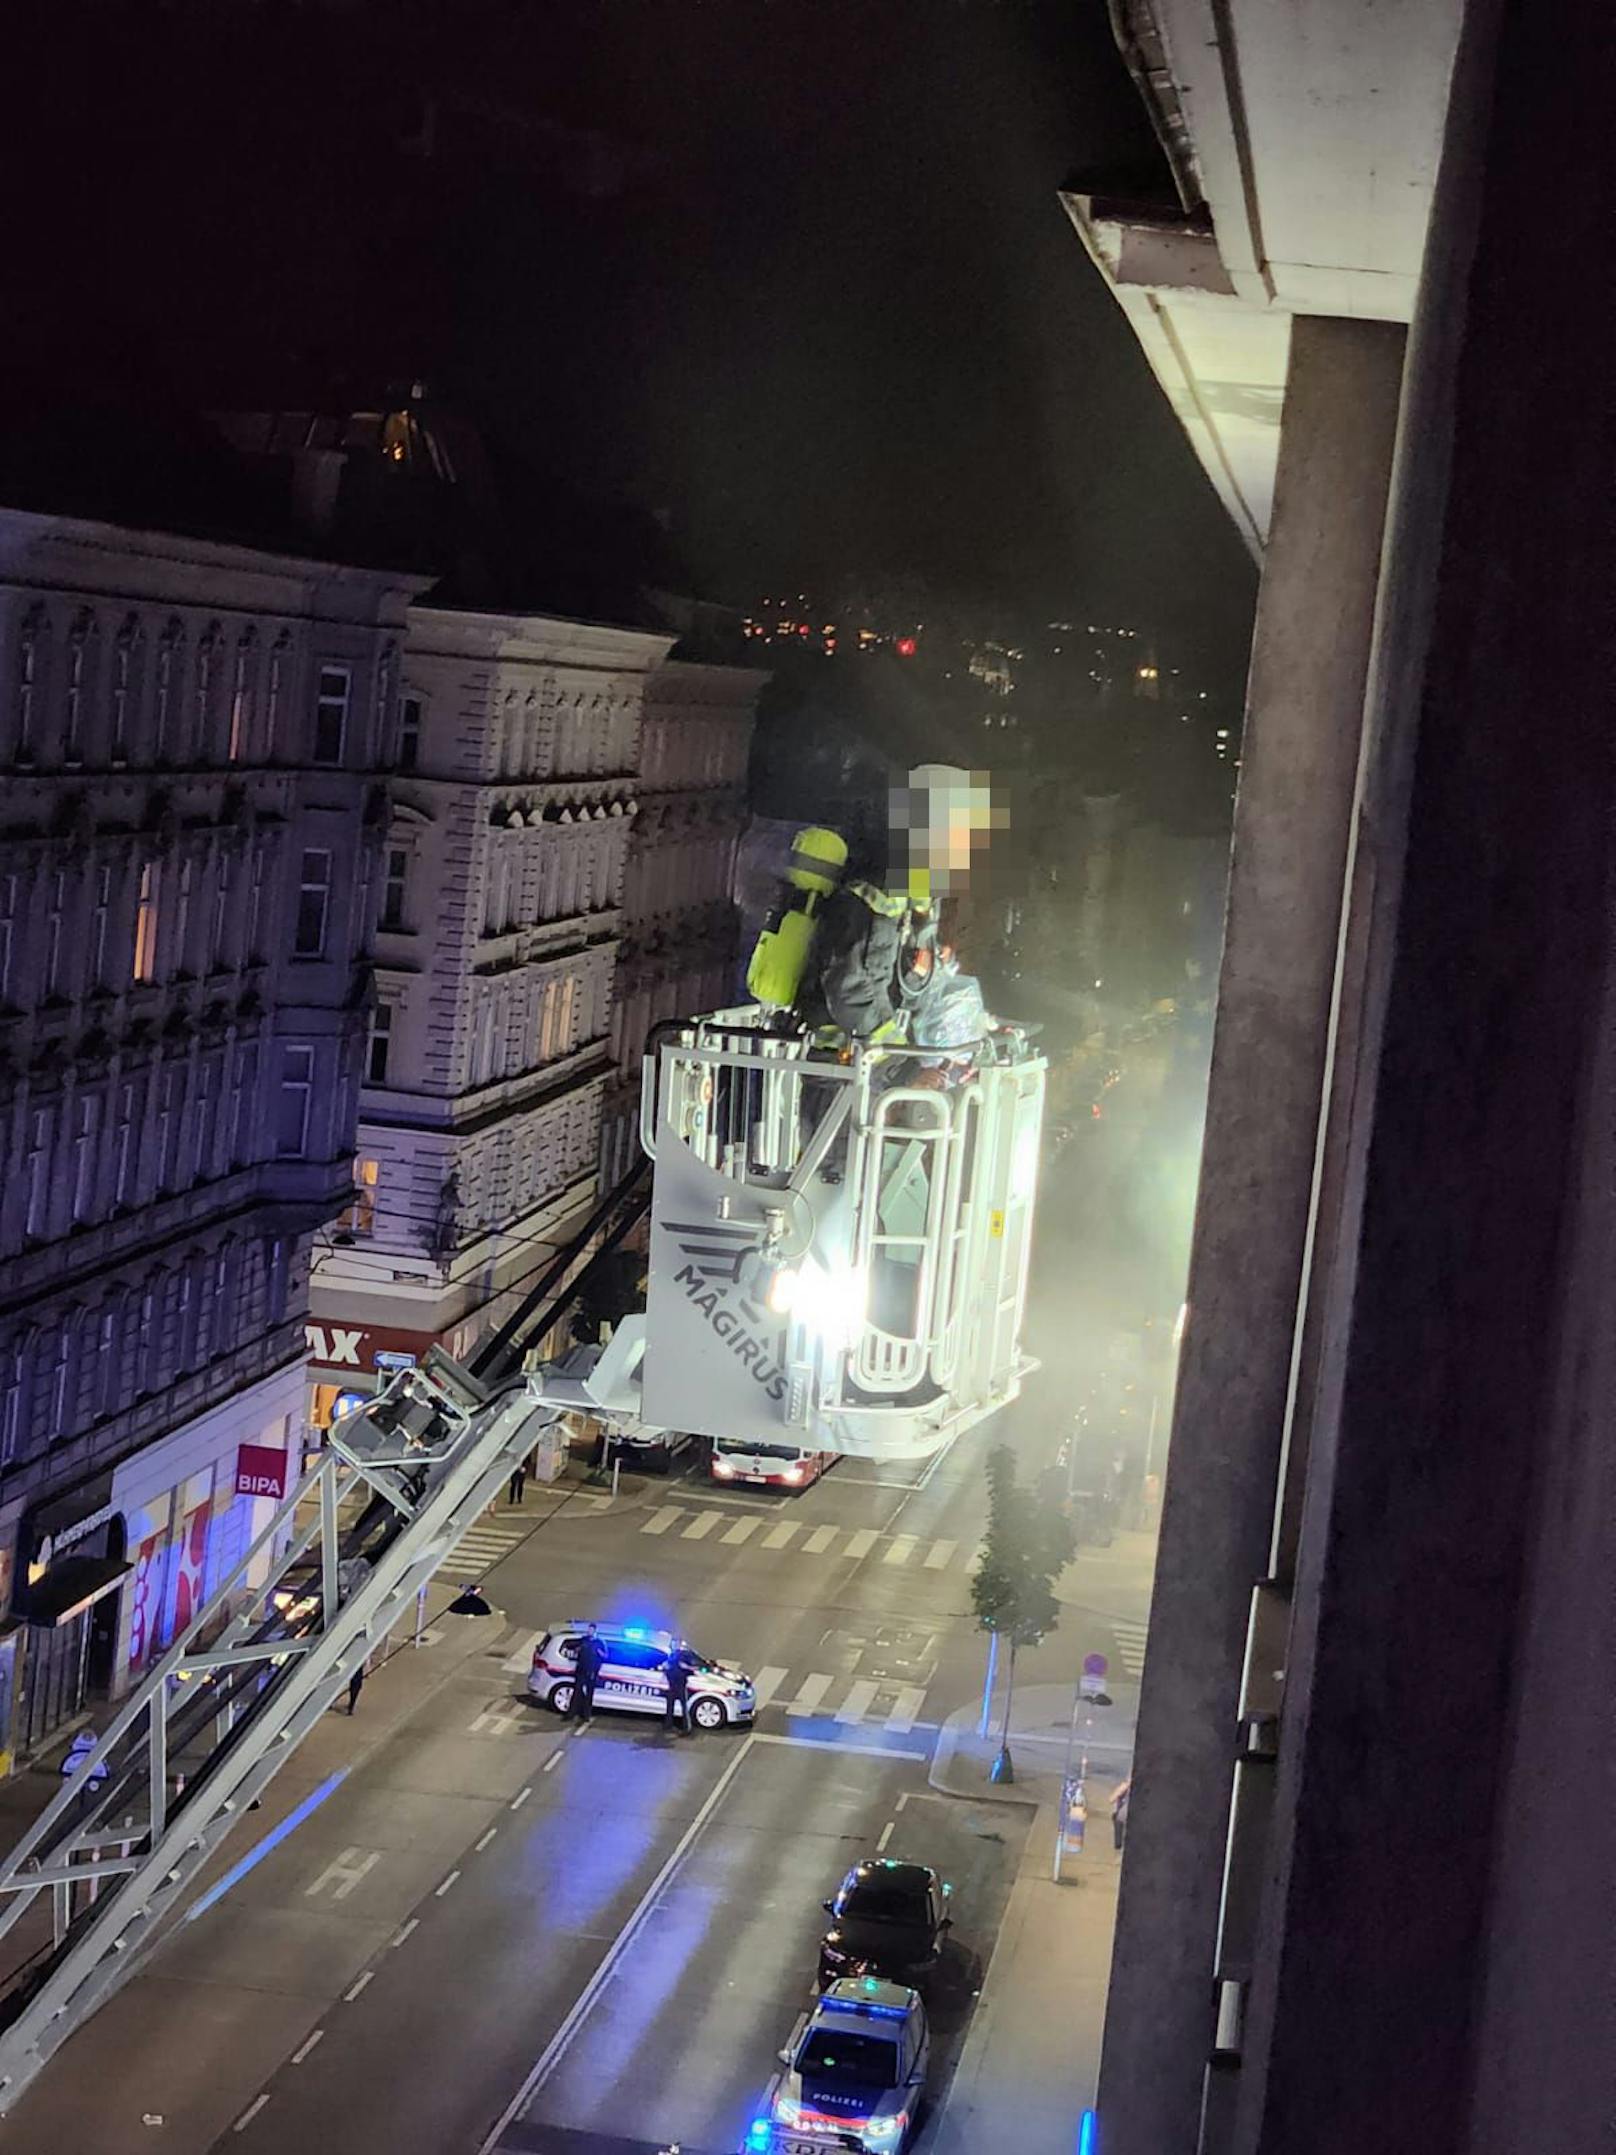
[{"x": 69, "y": 1588}]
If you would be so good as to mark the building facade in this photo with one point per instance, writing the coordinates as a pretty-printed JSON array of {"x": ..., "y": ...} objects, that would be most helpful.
[
  {"x": 188, "y": 835},
  {"x": 679, "y": 924},
  {"x": 501, "y": 908}
]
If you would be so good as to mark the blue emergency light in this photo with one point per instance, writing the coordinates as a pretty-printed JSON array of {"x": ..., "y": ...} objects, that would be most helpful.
[{"x": 1088, "y": 2134}]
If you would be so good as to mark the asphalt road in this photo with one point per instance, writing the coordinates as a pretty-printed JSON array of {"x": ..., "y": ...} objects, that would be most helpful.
[{"x": 501, "y": 1934}]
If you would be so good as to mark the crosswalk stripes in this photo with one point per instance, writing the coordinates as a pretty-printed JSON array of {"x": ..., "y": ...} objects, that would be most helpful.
[
  {"x": 856, "y": 1704},
  {"x": 483, "y": 1546},
  {"x": 1130, "y": 1638},
  {"x": 809, "y": 1693},
  {"x": 766, "y": 1683},
  {"x": 848, "y": 1702},
  {"x": 850, "y": 1543},
  {"x": 906, "y": 1712}
]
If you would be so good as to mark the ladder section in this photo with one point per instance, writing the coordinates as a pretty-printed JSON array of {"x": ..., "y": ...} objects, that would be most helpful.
[{"x": 230, "y": 1701}]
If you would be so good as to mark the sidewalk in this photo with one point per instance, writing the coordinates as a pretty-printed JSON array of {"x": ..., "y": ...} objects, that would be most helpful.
[{"x": 1033, "y": 2050}]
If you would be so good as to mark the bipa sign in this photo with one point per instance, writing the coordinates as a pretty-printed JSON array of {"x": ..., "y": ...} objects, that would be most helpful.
[{"x": 260, "y": 1471}]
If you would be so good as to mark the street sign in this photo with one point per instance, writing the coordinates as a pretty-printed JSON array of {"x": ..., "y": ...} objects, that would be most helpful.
[{"x": 1091, "y": 1684}]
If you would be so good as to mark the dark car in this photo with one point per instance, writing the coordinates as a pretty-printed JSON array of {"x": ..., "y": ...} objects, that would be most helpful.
[{"x": 890, "y": 1919}]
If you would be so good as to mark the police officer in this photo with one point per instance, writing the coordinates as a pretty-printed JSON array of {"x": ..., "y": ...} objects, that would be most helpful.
[
  {"x": 677, "y": 1712},
  {"x": 586, "y": 1676}
]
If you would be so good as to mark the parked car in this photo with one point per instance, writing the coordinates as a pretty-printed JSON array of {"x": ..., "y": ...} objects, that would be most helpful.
[
  {"x": 782, "y": 1466},
  {"x": 634, "y": 1675},
  {"x": 888, "y": 1918}
]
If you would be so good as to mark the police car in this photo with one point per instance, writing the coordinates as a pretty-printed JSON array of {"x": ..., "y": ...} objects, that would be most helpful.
[
  {"x": 855, "y": 2070},
  {"x": 634, "y": 1674}
]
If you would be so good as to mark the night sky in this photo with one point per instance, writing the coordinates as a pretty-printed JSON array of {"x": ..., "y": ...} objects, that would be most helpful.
[{"x": 790, "y": 274}]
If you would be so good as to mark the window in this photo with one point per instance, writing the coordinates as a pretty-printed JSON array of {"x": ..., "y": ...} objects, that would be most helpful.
[
  {"x": 359, "y": 1218},
  {"x": 240, "y": 691},
  {"x": 182, "y": 921},
  {"x": 30, "y": 667},
  {"x": 146, "y": 924},
  {"x": 201, "y": 1120},
  {"x": 381, "y": 1040},
  {"x": 218, "y": 933},
  {"x": 243, "y": 1086},
  {"x": 37, "y": 1171},
  {"x": 482, "y": 1046},
  {"x": 57, "y": 1365},
  {"x": 255, "y": 906},
  {"x": 398, "y": 869},
  {"x": 86, "y": 1149},
  {"x": 170, "y": 653},
  {"x": 16, "y": 1363},
  {"x": 497, "y": 911},
  {"x": 78, "y": 651},
  {"x": 100, "y": 912},
  {"x": 8, "y": 922},
  {"x": 207, "y": 659},
  {"x": 123, "y": 1150},
  {"x": 296, "y": 1098},
  {"x": 279, "y": 658},
  {"x": 169, "y": 1126},
  {"x": 124, "y": 658},
  {"x": 105, "y": 1389},
  {"x": 409, "y": 734},
  {"x": 331, "y": 714},
  {"x": 313, "y": 903},
  {"x": 51, "y": 983},
  {"x": 277, "y": 1280}
]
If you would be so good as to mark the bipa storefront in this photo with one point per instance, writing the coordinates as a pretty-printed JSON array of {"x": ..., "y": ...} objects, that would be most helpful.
[{"x": 193, "y": 1505}]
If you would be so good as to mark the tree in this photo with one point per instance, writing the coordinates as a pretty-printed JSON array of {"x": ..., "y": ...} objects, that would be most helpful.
[{"x": 1027, "y": 1546}]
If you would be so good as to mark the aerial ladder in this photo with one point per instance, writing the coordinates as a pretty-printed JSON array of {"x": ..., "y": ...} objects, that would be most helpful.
[{"x": 838, "y": 1253}]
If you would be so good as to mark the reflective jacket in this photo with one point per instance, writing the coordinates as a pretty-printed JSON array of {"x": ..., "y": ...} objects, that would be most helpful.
[{"x": 873, "y": 961}]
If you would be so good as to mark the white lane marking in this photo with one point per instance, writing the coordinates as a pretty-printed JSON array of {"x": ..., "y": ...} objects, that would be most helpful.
[
  {"x": 483, "y": 1843},
  {"x": 808, "y": 1697},
  {"x": 902, "y": 1800},
  {"x": 522, "y": 1795},
  {"x": 856, "y": 1705},
  {"x": 900, "y": 1549},
  {"x": 299, "y": 2055},
  {"x": 742, "y": 1530},
  {"x": 767, "y": 1682},
  {"x": 497, "y": 1721},
  {"x": 343, "y": 1873},
  {"x": 907, "y": 1711},
  {"x": 939, "y": 1554},
  {"x": 349, "y": 1996},
  {"x": 553, "y": 1760},
  {"x": 559, "y": 2044},
  {"x": 403, "y": 1933},
  {"x": 778, "y": 1536},
  {"x": 861, "y": 1543},
  {"x": 520, "y": 1659},
  {"x": 886, "y": 1835},
  {"x": 701, "y": 1526},
  {"x": 820, "y": 1539},
  {"x": 843, "y": 1750},
  {"x": 439, "y": 1891},
  {"x": 660, "y": 1521},
  {"x": 249, "y": 2114}
]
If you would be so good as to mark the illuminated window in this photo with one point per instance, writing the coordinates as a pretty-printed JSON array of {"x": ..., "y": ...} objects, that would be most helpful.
[
  {"x": 313, "y": 903},
  {"x": 146, "y": 924},
  {"x": 331, "y": 713},
  {"x": 359, "y": 1218}
]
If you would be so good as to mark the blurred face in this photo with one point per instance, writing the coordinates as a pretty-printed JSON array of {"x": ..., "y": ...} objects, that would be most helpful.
[{"x": 940, "y": 829}]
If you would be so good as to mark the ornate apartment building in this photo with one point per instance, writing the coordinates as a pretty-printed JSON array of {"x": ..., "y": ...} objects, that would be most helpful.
[
  {"x": 679, "y": 920},
  {"x": 490, "y": 1049},
  {"x": 191, "y": 844}
]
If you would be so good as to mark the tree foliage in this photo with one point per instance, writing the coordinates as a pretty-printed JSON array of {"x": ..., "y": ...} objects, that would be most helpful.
[{"x": 1027, "y": 1546}]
